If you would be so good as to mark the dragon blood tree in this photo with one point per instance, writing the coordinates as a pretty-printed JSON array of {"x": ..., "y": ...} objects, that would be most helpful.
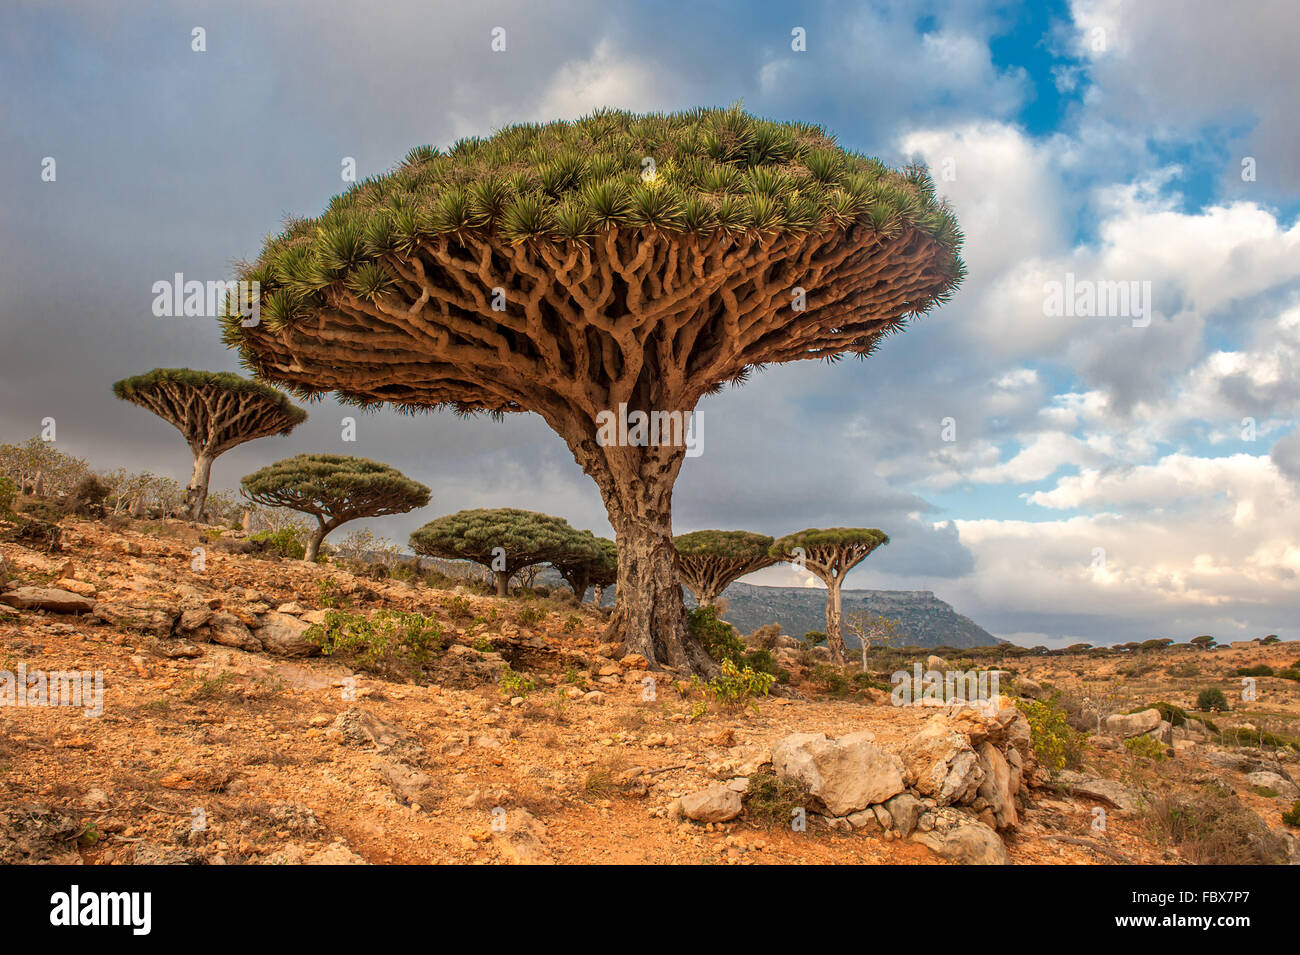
[
  {"x": 591, "y": 561},
  {"x": 618, "y": 265},
  {"x": 215, "y": 411},
  {"x": 830, "y": 553},
  {"x": 709, "y": 561},
  {"x": 505, "y": 540},
  {"x": 334, "y": 489}
]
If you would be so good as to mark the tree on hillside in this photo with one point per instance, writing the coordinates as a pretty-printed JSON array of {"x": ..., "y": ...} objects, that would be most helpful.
[
  {"x": 334, "y": 489},
  {"x": 591, "y": 561},
  {"x": 1203, "y": 642},
  {"x": 830, "y": 553},
  {"x": 873, "y": 628},
  {"x": 505, "y": 540},
  {"x": 709, "y": 561},
  {"x": 215, "y": 411},
  {"x": 606, "y": 274}
]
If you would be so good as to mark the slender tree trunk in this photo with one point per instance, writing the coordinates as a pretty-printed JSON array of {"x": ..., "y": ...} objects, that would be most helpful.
[
  {"x": 598, "y": 595},
  {"x": 314, "y": 542},
  {"x": 503, "y": 582},
  {"x": 834, "y": 630},
  {"x": 196, "y": 495}
]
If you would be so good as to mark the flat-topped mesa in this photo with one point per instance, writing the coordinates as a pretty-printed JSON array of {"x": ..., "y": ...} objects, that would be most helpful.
[{"x": 571, "y": 269}]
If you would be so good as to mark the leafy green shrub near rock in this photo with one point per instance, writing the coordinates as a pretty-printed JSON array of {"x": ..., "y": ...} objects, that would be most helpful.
[
  {"x": 771, "y": 800},
  {"x": 290, "y": 542},
  {"x": 390, "y": 642},
  {"x": 1292, "y": 816},
  {"x": 1174, "y": 715},
  {"x": 1146, "y": 747},
  {"x": 1211, "y": 699},
  {"x": 1056, "y": 744},
  {"x": 718, "y": 638},
  {"x": 735, "y": 686}
]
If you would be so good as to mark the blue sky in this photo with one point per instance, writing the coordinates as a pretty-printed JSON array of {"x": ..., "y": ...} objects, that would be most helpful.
[{"x": 1101, "y": 138}]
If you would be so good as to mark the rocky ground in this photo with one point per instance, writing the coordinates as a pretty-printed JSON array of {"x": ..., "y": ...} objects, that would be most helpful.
[{"x": 224, "y": 740}]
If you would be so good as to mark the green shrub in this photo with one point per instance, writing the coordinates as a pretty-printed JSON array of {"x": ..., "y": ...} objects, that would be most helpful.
[
  {"x": 288, "y": 542},
  {"x": 390, "y": 642},
  {"x": 718, "y": 638},
  {"x": 1174, "y": 715},
  {"x": 770, "y": 800},
  {"x": 764, "y": 662},
  {"x": 736, "y": 687},
  {"x": 1292, "y": 816},
  {"x": 1291, "y": 673},
  {"x": 1056, "y": 744},
  {"x": 830, "y": 678},
  {"x": 1146, "y": 747},
  {"x": 811, "y": 639},
  {"x": 515, "y": 684},
  {"x": 531, "y": 616},
  {"x": 1211, "y": 699},
  {"x": 457, "y": 607},
  {"x": 1261, "y": 669}
]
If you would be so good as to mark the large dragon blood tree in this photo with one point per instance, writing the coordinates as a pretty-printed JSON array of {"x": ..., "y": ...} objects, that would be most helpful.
[
  {"x": 621, "y": 264},
  {"x": 215, "y": 411}
]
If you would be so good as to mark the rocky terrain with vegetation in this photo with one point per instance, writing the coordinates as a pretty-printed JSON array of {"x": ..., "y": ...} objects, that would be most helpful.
[{"x": 264, "y": 710}]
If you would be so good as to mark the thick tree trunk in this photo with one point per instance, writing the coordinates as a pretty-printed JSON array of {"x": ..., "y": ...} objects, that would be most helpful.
[
  {"x": 636, "y": 484},
  {"x": 314, "y": 542},
  {"x": 196, "y": 495},
  {"x": 503, "y": 582},
  {"x": 834, "y": 627}
]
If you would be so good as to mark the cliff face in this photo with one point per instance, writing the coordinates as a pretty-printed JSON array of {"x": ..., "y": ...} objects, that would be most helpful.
[{"x": 926, "y": 620}]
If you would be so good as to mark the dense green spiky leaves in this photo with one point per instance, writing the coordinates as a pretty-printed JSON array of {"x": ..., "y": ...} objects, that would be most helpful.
[
  {"x": 828, "y": 538},
  {"x": 702, "y": 171},
  {"x": 730, "y": 545},
  {"x": 335, "y": 487},
  {"x": 504, "y": 539}
]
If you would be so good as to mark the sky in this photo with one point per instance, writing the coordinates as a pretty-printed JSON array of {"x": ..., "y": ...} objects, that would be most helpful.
[{"x": 1057, "y": 474}]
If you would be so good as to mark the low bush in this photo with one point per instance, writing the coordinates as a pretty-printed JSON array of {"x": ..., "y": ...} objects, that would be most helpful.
[
  {"x": 718, "y": 638},
  {"x": 388, "y": 643},
  {"x": 1056, "y": 744},
  {"x": 772, "y": 800},
  {"x": 1211, "y": 700},
  {"x": 1213, "y": 827}
]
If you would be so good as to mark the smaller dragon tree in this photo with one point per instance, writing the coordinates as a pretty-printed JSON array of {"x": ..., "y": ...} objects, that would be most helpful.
[
  {"x": 505, "y": 540},
  {"x": 830, "y": 553},
  {"x": 710, "y": 561},
  {"x": 215, "y": 411},
  {"x": 335, "y": 489},
  {"x": 591, "y": 561}
]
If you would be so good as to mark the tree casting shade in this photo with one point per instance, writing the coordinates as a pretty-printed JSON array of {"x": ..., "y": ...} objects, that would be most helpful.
[{"x": 571, "y": 268}]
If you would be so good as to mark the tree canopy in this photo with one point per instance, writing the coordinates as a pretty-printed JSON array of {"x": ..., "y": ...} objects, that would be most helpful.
[
  {"x": 505, "y": 540},
  {"x": 335, "y": 489},
  {"x": 709, "y": 561},
  {"x": 590, "y": 561},
  {"x": 214, "y": 410},
  {"x": 830, "y": 553},
  {"x": 619, "y": 262}
]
